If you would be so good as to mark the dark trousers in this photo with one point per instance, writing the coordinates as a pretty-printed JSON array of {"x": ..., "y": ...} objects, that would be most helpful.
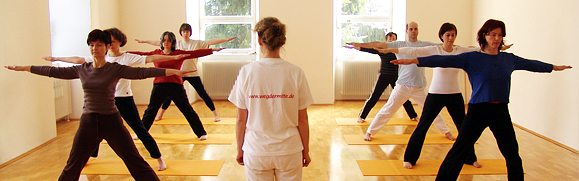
[
  {"x": 433, "y": 104},
  {"x": 176, "y": 92},
  {"x": 130, "y": 113},
  {"x": 196, "y": 83},
  {"x": 381, "y": 84},
  {"x": 92, "y": 130},
  {"x": 478, "y": 117}
]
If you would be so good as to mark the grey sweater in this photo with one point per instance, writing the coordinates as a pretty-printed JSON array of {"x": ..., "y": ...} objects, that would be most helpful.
[{"x": 98, "y": 83}]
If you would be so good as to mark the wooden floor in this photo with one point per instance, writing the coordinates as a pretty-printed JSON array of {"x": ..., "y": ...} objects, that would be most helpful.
[{"x": 332, "y": 158}]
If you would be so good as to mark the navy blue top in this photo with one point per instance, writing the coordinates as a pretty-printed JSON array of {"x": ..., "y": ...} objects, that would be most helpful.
[{"x": 489, "y": 75}]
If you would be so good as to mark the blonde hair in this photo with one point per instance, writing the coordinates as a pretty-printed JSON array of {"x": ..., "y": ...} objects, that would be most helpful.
[{"x": 271, "y": 32}]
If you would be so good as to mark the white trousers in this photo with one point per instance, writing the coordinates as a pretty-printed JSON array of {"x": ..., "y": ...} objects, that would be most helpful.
[
  {"x": 266, "y": 168},
  {"x": 399, "y": 95}
]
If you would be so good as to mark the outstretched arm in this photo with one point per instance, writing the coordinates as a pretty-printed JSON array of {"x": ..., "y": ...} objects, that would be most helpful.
[
  {"x": 375, "y": 44},
  {"x": 219, "y": 41},
  {"x": 77, "y": 60},
  {"x": 405, "y": 61},
  {"x": 171, "y": 72},
  {"x": 304, "y": 129},
  {"x": 162, "y": 58},
  {"x": 150, "y": 42},
  {"x": 387, "y": 50}
]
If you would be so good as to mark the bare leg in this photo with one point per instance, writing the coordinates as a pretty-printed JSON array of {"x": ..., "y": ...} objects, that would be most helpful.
[
  {"x": 217, "y": 119},
  {"x": 160, "y": 115}
]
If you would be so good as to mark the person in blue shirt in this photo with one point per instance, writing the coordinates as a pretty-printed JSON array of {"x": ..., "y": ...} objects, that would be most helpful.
[{"x": 489, "y": 72}]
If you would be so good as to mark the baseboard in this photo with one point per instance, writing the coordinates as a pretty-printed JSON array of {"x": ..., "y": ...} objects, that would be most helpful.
[
  {"x": 27, "y": 153},
  {"x": 547, "y": 139}
]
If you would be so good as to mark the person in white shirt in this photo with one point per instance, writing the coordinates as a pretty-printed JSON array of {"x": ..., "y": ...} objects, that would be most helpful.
[
  {"x": 190, "y": 64},
  {"x": 272, "y": 96},
  {"x": 410, "y": 84}
]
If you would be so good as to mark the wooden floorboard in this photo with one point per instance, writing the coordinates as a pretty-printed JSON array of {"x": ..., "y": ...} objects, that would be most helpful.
[{"x": 332, "y": 158}]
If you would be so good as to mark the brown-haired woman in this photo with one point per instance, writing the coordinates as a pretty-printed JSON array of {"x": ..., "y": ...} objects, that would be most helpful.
[{"x": 272, "y": 96}]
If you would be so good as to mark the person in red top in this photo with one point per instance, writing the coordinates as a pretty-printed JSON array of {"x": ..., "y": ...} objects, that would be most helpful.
[{"x": 172, "y": 86}]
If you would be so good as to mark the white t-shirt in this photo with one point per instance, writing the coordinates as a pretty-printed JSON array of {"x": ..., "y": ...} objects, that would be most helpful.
[
  {"x": 128, "y": 59},
  {"x": 191, "y": 64},
  {"x": 444, "y": 80},
  {"x": 273, "y": 91},
  {"x": 410, "y": 75}
]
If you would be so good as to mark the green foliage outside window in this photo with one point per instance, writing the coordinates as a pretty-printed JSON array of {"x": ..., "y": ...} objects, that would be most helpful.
[
  {"x": 222, "y": 31},
  {"x": 227, "y": 7}
]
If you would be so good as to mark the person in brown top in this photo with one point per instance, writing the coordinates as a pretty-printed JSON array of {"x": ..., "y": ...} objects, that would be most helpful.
[{"x": 100, "y": 118}]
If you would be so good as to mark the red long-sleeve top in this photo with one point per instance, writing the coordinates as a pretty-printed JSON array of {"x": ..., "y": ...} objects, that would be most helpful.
[{"x": 173, "y": 64}]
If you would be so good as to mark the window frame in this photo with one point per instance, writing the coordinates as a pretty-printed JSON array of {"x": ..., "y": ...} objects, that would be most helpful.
[{"x": 196, "y": 17}]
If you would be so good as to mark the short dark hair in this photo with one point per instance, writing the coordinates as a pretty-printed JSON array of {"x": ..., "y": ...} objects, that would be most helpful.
[
  {"x": 171, "y": 38},
  {"x": 446, "y": 27},
  {"x": 118, "y": 35},
  {"x": 389, "y": 34},
  {"x": 489, "y": 26},
  {"x": 99, "y": 35},
  {"x": 185, "y": 26}
]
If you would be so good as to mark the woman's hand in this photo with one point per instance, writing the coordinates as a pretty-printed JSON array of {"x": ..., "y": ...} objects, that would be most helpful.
[
  {"x": 561, "y": 67},
  {"x": 18, "y": 68},
  {"x": 405, "y": 61}
]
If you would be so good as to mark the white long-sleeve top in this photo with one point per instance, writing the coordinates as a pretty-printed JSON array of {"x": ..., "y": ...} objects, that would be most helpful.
[{"x": 444, "y": 80}]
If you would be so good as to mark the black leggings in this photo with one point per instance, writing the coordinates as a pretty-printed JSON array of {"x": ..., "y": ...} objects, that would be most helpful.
[
  {"x": 176, "y": 92},
  {"x": 478, "y": 118},
  {"x": 433, "y": 104},
  {"x": 92, "y": 130},
  {"x": 381, "y": 84},
  {"x": 196, "y": 83},
  {"x": 130, "y": 113}
]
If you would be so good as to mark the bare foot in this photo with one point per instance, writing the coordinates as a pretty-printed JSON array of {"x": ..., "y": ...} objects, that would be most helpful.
[
  {"x": 360, "y": 120},
  {"x": 217, "y": 119},
  {"x": 135, "y": 137},
  {"x": 162, "y": 165},
  {"x": 449, "y": 136},
  {"x": 415, "y": 119},
  {"x": 204, "y": 137},
  {"x": 367, "y": 137},
  {"x": 407, "y": 165},
  {"x": 476, "y": 164}
]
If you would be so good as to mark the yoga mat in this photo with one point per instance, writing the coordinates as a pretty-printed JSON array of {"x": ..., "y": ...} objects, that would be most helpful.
[
  {"x": 395, "y": 139},
  {"x": 212, "y": 139},
  {"x": 174, "y": 167},
  {"x": 427, "y": 168},
  {"x": 205, "y": 121},
  {"x": 392, "y": 121}
]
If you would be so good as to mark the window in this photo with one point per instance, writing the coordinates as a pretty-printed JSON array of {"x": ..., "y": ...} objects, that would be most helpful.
[
  {"x": 366, "y": 21},
  {"x": 219, "y": 19}
]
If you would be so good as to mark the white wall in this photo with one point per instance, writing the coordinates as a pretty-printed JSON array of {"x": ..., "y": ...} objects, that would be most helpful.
[
  {"x": 70, "y": 23},
  {"x": 309, "y": 41},
  {"x": 430, "y": 15},
  {"x": 545, "y": 31},
  {"x": 27, "y": 108}
]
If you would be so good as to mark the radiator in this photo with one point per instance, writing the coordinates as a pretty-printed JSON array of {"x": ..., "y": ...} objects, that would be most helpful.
[
  {"x": 359, "y": 77},
  {"x": 62, "y": 98},
  {"x": 218, "y": 76}
]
